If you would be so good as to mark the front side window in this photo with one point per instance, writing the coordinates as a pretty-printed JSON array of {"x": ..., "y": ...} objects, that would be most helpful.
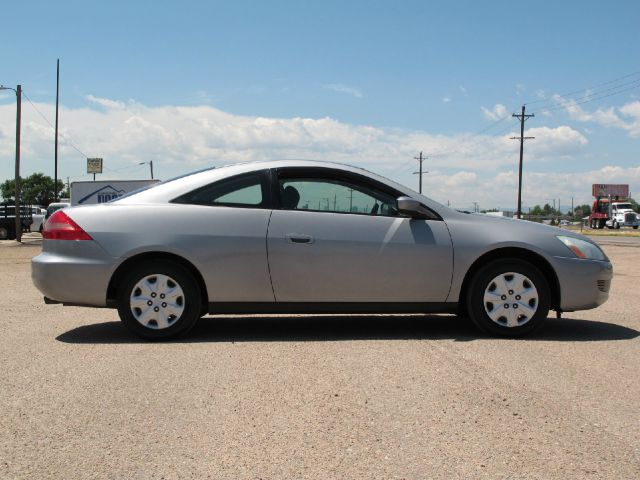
[
  {"x": 334, "y": 195},
  {"x": 248, "y": 191}
]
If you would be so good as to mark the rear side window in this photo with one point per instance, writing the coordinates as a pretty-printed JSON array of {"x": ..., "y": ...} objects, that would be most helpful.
[{"x": 244, "y": 191}]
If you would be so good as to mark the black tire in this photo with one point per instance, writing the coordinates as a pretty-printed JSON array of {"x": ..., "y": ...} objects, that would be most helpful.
[
  {"x": 484, "y": 279},
  {"x": 601, "y": 223},
  {"x": 189, "y": 302},
  {"x": 635, "y": 228},
  {"x": 616, "y": 225}
]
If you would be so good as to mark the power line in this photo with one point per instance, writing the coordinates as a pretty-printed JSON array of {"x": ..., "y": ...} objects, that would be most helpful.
[
  {"x": 588, "y": 96},
  {"x": 609, "y": 82},
  {"x": 67, "y": 141},
  {"x": 587, "y": 99}
]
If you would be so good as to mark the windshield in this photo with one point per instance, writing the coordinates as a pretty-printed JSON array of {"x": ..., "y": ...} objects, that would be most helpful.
[{"x": 624, "y": 206}]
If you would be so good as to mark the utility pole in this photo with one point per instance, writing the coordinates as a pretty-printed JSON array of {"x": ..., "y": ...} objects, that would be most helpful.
[
  {"x": 523, "y": 118},
  {"x": 572, "y": 211},
  {"x": 18, "y": 92},
  {"x": 475, "y": 207},
  {"x": 350, "y": 200},
  {"x": 420, "y": 172},
  {"x": 18, "y": 120},
  {"x": 55, "y": 161}
]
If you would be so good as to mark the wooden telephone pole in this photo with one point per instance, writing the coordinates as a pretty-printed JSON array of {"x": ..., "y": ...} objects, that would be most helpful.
[
  {"x": 523, "y": 118},
  {"x": 420, "y": 172}
]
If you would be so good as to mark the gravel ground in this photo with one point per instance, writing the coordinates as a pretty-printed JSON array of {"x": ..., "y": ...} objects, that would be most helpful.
[{"x": 317, "y": 397}]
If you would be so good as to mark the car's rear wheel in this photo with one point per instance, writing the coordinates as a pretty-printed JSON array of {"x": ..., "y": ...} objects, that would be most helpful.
[
  {"x": 508, "y": 297},
  {"x": 159, "y": 301}
]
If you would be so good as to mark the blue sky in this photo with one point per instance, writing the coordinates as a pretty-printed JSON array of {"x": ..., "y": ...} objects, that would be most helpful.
[{"x": 416, "y": 74}]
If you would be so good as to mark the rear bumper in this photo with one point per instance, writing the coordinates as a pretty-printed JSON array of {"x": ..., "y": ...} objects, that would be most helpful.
[
  {"x": 77, "y": 273},
  {"x": 584, "y": 284}
]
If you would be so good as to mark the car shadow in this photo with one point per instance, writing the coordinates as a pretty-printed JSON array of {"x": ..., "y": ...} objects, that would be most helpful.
[{"x": 348, "y": 327}]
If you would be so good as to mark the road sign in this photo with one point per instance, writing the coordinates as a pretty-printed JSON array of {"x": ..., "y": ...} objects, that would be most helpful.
[{"x": 94, "y": 165}]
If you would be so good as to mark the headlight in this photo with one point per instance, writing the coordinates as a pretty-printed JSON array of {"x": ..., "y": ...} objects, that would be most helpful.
[{"x": 582, "y": 249}]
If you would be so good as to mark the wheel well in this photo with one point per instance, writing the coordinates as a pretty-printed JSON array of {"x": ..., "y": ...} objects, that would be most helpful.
[
  {"x": 522, "y": 254},
  {"x": 116, "y": 278}
]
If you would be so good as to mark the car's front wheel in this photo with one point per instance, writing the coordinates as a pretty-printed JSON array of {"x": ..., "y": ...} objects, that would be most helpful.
[
  {"x": 508, "y": 297},
  {"x": 159, "y": 300}
]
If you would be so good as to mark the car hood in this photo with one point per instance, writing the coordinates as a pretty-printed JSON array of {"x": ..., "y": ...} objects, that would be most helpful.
[{"x": 489, "y": 232}]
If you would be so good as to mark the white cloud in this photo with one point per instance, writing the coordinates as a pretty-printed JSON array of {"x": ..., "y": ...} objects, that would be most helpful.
[
  {"x": 632, "y": 111},
  {"x": 500, "y": 190},
  {"x": 626, "y": 117},
  {"x": 498, "y": 112},
  {"x": 462, "y": 89},
  {"x": 182, "y": 138},
  {"x": 106, "y": 103},
  {"x": 446, "y": 99},
  {"x": 340, "y": 88}
]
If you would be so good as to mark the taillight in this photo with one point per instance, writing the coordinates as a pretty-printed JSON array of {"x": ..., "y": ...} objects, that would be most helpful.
[{"x": 61, "y": 227}]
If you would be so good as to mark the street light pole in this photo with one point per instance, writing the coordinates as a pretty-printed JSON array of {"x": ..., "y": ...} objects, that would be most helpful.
[
  {"x": 18, "y": 92},
  {"x": 150, "y": 166}
]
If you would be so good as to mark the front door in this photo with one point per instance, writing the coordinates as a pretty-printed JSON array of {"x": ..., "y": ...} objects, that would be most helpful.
[{"x": 338, "y": 238}]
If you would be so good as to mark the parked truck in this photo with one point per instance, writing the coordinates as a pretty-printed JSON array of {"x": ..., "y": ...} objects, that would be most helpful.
[
  {"x": 611, "y": 207},
  {"x": 8, "y": 220}
]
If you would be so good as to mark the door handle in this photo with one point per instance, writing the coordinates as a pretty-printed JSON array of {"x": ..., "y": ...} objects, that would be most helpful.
[{"x": 299, "y": 238}]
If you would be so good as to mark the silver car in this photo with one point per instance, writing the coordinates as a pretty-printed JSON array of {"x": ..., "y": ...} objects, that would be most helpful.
[{"x": 309, "y": 237}]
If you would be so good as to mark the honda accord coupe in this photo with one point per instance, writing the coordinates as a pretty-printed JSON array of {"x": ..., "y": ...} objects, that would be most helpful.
[{"x": 309, "y": 237}]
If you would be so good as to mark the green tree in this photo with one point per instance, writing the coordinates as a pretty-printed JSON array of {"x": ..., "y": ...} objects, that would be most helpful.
[
  {"x": 537, "y": 210},
  {"x": 548, "y": 209},
  {"x": 8, "y": 189},
  {"x": 583, "y": 210},
  {"x": 37, "y": 189}
]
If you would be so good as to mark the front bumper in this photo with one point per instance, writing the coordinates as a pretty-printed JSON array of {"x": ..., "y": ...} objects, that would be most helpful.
[
  {"x": 77, "y": 272},
  {"x": 584, "y": 284}
]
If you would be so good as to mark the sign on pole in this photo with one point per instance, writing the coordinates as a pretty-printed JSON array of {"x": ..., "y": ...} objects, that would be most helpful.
[{"x": 94, "y": 165}]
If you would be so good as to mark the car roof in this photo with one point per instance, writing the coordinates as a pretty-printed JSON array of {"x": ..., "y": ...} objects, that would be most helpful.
[{"x": 168, "y": 190}]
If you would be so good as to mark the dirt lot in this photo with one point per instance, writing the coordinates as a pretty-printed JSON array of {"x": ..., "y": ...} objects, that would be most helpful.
[{"x": 317, "y": 397}]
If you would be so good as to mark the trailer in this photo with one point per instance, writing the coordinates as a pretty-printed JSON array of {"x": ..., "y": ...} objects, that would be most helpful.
[{"x": 102, "y": 191}]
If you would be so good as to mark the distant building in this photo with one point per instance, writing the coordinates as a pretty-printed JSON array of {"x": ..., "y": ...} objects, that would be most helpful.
[{"x": 500, "y": 214}]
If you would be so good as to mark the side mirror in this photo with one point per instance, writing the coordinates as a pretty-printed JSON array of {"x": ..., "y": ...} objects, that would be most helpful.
[{"x": 414, "y": 209}]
